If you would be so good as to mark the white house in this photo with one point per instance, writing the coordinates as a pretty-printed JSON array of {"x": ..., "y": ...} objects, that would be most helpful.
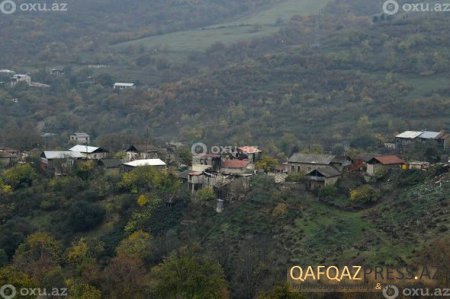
[{"x": 21, "y": 78}]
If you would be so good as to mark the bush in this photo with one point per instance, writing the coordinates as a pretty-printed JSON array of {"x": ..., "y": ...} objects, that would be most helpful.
[
  {"x": 365, "y": 194},
  {"x": 83, "y": 216}
]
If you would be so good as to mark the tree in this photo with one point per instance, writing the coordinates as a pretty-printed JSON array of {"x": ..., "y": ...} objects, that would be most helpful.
[
  {"x": 185, "y": 275},
  {"x": 40, "y": 257},
  {"x": 20, "y": 174},
  {"x": 83, "y": 216},
  {"x": 267, "y": 164},
  {"x": 205, "y": 194},
  {"x": 137, "y": 245}
]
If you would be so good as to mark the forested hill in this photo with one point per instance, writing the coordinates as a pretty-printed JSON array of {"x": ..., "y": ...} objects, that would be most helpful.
[
  {"x": 88, "y": 27},
  {"x": 346, "y": 78}
]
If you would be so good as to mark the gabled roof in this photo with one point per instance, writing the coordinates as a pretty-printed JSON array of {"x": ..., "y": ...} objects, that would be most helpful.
[
  {"x": 61, "y": 155},
  {"x": 142, "y": 148},
  {"x": 326, "y": 171},
  {"x": 387, "y": 160},
  {"x": 250, "y": 149},
  {"x": 87, "y": 149},
  {"x": 311, "y": 159},
  {"x": 235, "y": 164},
  {"x": 110, "y": 163},
  {"x": 146, "y": 162},
  {"x": 409, "y": 134}
]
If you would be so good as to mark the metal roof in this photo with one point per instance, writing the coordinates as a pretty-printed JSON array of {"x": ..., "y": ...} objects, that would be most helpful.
[
  {"x": 429, "y": 135},
  {"x": 388, "y": 160},
  {"x": 61, "y": 155},
  {"x": 311, "y": 158},
  {"x": 409, "y": 134},
  {"x": 84, "y": 149},
  {"x": 146, "y": 162},
  {"x": 124, "y": 84}
]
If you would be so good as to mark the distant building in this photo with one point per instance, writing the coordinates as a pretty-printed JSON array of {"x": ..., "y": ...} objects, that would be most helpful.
[
  {"x": 57, "y": 72},
  {"x": 253, "y": 153},
  {"x": 90, "y": 152},
  {"x": 80, "y": 138},
  {"x": 59, "y": 162},
  {"x": 142, "y": 152},
  {"x": 305, "y": 163},
  {"x": 157, "y": 163},
  {"x": 122, "y": 86},
  {"x": 380, "y": 163},
  {"x": 20, "y": 78},
  {"x": 8, "y": 156},
  {"x": 237, "y": 167},
  {"x": 409, "y": 138},
  {"x": 322, "y": 177},
  {"x": 110, "y": 166}
]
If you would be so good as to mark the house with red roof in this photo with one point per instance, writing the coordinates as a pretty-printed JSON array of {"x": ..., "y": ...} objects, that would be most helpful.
[{"x": 381, "y": 163}]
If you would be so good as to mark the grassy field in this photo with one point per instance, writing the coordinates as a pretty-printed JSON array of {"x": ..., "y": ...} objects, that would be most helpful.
[{"x": 180, "y": 44}]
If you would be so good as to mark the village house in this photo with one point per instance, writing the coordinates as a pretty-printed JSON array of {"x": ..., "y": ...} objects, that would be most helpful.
[
  {"x": 304, "y": 163},
  {"x": 156, "y": 163},
  {"x": 237, "y": 167},
  {"x": 381, "y": 163},
  {"x": 59, "y": 162},
  {"x": 142, "y": 152},
  {"x": 322, "y": 177},
  {"x": 206, "y": 161},
  {"x": 17, "y": 78},
  {"x": 8, "y": 156},
  {"x": 123, "y": 86},
  {"x": 110, "y": 166},
  {"x": 252, "y": 153},
  {"x": 203, "y": 179},
  {"x": 90, "y": 152},
  {"x": 80, "y": 138},
  {"x": 57, "y": 72},
  {"x": 410, "y": 138}
]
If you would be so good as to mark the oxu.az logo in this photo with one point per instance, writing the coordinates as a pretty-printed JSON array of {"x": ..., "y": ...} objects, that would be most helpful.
[{"x": 8, "y": 7}]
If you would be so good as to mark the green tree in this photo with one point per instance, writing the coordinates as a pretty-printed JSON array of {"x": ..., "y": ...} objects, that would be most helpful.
[
  {"x": 185, "y": 275},
  {"x": 267, "y": 164},
  {"x": 20, "y": 174}
]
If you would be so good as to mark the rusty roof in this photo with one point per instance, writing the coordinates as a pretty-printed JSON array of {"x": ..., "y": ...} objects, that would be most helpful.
[{"x": 388, "y": 160}]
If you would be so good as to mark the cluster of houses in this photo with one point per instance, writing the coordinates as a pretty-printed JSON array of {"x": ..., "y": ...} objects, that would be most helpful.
[
  {"x": 409, "y": 139},
  {"x": 221, "y": 170}
]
